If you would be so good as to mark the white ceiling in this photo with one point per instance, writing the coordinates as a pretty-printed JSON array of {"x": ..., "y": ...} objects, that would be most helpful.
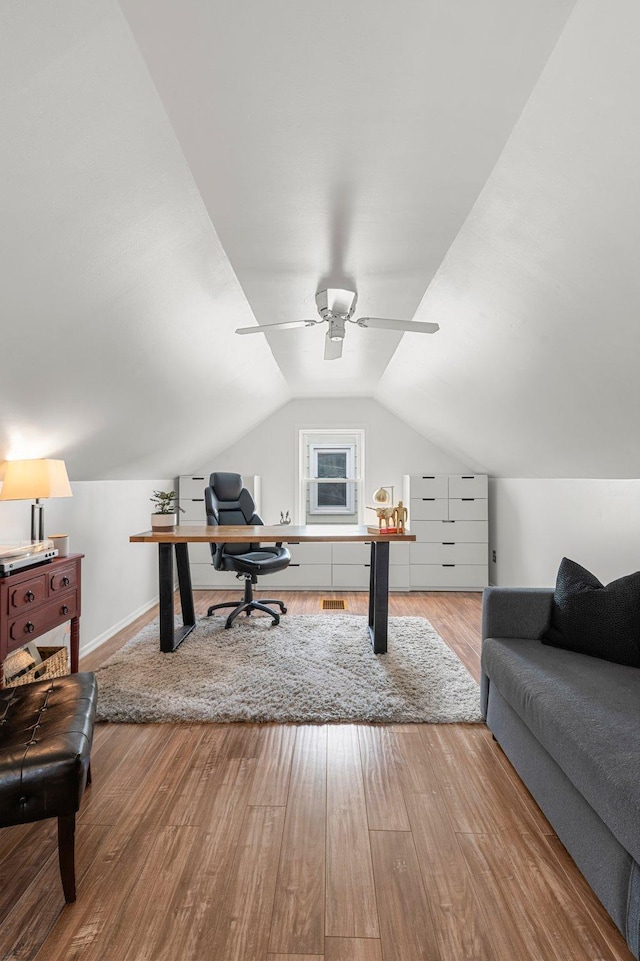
[{"x": 199, "y": 166}]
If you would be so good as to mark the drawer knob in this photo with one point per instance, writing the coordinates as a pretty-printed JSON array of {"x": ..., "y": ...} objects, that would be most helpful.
[
  {"x": 64, "y": 609},
  {"x": 65, "y": 581},
  {"x": 30, "y": 596},
  {"x": 29, "y": 628}
]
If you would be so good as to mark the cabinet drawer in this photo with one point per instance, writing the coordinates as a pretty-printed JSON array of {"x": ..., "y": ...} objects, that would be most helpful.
[
  {"x": 27, "y": 595},
  {"x": 440, "y": 577},
  {"x": 200, "y": 553},
  {"x": 439, "y": 531},
  {"x": 399, "y": 577},
  {"x": 204, "y": 576},
  {"x": 309, "y": 553},
  {"x": 190, "y": 486},
  {"x": 351, "y": 553},
  {"x": 62, "y": 579},
  {"x": 472, "y": 509},
  {"x": 448, "y": 553},
  {"x": 35, "y": 623},
  {"x": 434, "y": 486},
  {"x": 309, "y": 576},
  {"x": 398, "y": 553},
  {"x": 354, "y": 577},
  {"x": 194, "y": 511},
  {"x": 468, "y": 485},
  {"x": 428, "y": 509}
]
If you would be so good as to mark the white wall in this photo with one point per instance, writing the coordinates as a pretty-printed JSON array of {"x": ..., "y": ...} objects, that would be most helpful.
[
  {"x": 392, "y": 449},
  {"x": 534, "y": 523},
  {"x": 119, "y": 579}
]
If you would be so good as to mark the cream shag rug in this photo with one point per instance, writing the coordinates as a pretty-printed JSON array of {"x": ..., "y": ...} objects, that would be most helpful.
[{"x": 312, "y": 668}]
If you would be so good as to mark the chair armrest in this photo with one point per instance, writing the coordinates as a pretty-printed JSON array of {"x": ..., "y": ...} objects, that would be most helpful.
[{"x": 516, "y": 611}]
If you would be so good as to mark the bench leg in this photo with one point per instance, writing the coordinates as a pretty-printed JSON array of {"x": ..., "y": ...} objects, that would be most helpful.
[
  {"x": 88, "y": 775},
  {"x": 66, "y": 856}
]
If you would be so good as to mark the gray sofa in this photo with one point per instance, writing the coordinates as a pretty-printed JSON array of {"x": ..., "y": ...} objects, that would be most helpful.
[{"x": 570, "y": 725}]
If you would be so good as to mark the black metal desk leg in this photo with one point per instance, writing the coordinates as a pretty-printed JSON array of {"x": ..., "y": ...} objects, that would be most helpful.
[
  {"x": 379, "y": 596},
  {"x": 171, "y": 636},
  {"x": 165, "y": 577},
  {"x": 184, "y": 583}
]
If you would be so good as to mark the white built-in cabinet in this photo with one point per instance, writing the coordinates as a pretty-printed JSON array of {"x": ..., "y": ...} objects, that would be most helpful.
[
  {"x": 449, "y": 515},
  {"x": 447, "y": 512}
]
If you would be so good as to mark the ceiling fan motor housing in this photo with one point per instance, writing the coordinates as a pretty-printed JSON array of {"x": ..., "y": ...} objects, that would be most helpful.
[{"x": 336, "y": 303}]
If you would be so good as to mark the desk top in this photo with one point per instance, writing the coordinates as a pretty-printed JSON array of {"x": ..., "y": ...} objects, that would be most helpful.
[{"x": 277, "y": 533}]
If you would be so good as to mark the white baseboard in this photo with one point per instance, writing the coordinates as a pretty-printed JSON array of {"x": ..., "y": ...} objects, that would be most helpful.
[{"x": 101, "y": 638}]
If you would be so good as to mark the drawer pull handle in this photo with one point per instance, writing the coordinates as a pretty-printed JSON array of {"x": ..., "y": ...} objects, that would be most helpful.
[
  {"x": 64, "y": 609},
  {"x": 468, "y": 477},
  {"x": 448, "y": 543},
  {"x": 65, "y": 581},
  {"x": 467, "y": 498},
  {"x": 428, "y": 498},
  {"x": 428, "y": 477},
  {"x": 294, "y": 565},
  {"x": 29, "y": 628},
  {"x": 29, "y": 597},
  {"x": 197, "y": 500},
  {"x": 448, "y": 565}
]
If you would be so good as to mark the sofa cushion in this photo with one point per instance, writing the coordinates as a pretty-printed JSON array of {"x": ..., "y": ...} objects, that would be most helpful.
[
  {"x": 585, "y": 712},
  {"x": 589, "y": 617}
]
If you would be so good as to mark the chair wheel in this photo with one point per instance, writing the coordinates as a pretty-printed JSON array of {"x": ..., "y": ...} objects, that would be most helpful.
[
  {"x": 276, "y": 621},
  {"x": 284, "y": 610}
]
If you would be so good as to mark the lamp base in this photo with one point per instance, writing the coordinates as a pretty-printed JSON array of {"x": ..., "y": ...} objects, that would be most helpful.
[{"x": 37, "y": 509}]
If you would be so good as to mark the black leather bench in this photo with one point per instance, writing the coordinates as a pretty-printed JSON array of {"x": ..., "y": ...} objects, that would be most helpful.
[{"x": 46, "y": 730}]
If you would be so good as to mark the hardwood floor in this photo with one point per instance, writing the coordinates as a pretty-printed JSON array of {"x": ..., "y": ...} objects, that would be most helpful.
[{"x": 248, "y": 842}]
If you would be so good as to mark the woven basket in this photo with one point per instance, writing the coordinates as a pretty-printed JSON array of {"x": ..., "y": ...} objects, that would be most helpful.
[{"x": 55, "y": 663}]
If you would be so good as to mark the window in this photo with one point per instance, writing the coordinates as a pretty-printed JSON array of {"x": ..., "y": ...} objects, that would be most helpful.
[
  {"x": 330, "y": 478},
  {"x": 333, "y": 469}
]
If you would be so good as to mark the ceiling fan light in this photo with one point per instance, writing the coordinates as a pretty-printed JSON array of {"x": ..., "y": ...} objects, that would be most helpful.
[{"x": 336, "y": 329}]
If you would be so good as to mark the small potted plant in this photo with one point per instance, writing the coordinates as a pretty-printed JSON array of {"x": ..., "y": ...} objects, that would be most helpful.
[{"x": 166, "y": 513}]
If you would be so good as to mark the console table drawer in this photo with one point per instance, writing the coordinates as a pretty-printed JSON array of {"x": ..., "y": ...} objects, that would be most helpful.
[
  {"x": 45, "y": 618},
  {"x": 63, "y": 579},
  {"x": 27, "y": 595}
]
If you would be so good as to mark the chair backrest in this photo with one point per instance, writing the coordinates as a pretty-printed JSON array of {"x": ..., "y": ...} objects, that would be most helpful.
[{"x": 228, "y": 502}]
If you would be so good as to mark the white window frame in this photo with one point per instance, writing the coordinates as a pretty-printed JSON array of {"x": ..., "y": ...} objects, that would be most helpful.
[
  {"x": 349, "y": 479},
  {"x": 307, "y": 436}
]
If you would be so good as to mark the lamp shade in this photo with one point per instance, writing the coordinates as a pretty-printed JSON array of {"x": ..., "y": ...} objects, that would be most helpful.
[{"x": 33, "y": 479}]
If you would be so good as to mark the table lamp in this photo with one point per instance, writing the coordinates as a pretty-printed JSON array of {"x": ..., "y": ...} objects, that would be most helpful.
[{"x": 33, "y": 480}]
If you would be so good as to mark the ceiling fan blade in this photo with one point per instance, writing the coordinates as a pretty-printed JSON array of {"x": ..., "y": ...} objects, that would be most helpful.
[
  {"x": 265, "y": 328},
  {"x": 385, "y": 323},
  {"x": 332, "y": 348}
]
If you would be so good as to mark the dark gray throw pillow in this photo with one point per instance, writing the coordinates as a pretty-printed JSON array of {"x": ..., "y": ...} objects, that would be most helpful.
[{"x": 591, "y": 618}]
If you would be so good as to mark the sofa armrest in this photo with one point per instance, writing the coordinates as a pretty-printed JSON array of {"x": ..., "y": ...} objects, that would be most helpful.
[{"x": 516, "y": 611}]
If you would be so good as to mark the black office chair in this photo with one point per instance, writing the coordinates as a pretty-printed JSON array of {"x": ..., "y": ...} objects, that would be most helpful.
[{"x": 228, "y": 502}]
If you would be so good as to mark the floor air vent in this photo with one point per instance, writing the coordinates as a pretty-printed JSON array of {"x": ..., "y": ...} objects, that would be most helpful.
[{"x": 329, "y": 604}]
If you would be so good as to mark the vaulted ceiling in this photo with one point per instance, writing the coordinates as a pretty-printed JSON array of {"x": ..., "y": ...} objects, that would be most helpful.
[{"x": 173, "y": 171}]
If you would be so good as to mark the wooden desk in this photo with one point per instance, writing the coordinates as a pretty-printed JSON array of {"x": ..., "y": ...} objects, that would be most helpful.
[
  {"x": 180, "y": 537},
  {"x": 37, "y": 599}
]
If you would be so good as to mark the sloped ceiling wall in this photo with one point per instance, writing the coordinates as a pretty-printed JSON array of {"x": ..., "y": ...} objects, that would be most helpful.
[
  {"x": 124, "y": 277},
  {"x": 118, "y": 303},
  {"x": 535, "y": 369}
]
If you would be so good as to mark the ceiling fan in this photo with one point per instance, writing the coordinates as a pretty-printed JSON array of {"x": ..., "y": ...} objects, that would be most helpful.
[{"x": 337, "y": 307}]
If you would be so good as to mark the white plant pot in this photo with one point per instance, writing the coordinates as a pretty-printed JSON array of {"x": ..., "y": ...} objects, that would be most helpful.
[{"x": 163, "y": 522}]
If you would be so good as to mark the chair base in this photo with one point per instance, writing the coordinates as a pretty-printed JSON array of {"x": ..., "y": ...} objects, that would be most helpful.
[{"x": 247, "y": 605}]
